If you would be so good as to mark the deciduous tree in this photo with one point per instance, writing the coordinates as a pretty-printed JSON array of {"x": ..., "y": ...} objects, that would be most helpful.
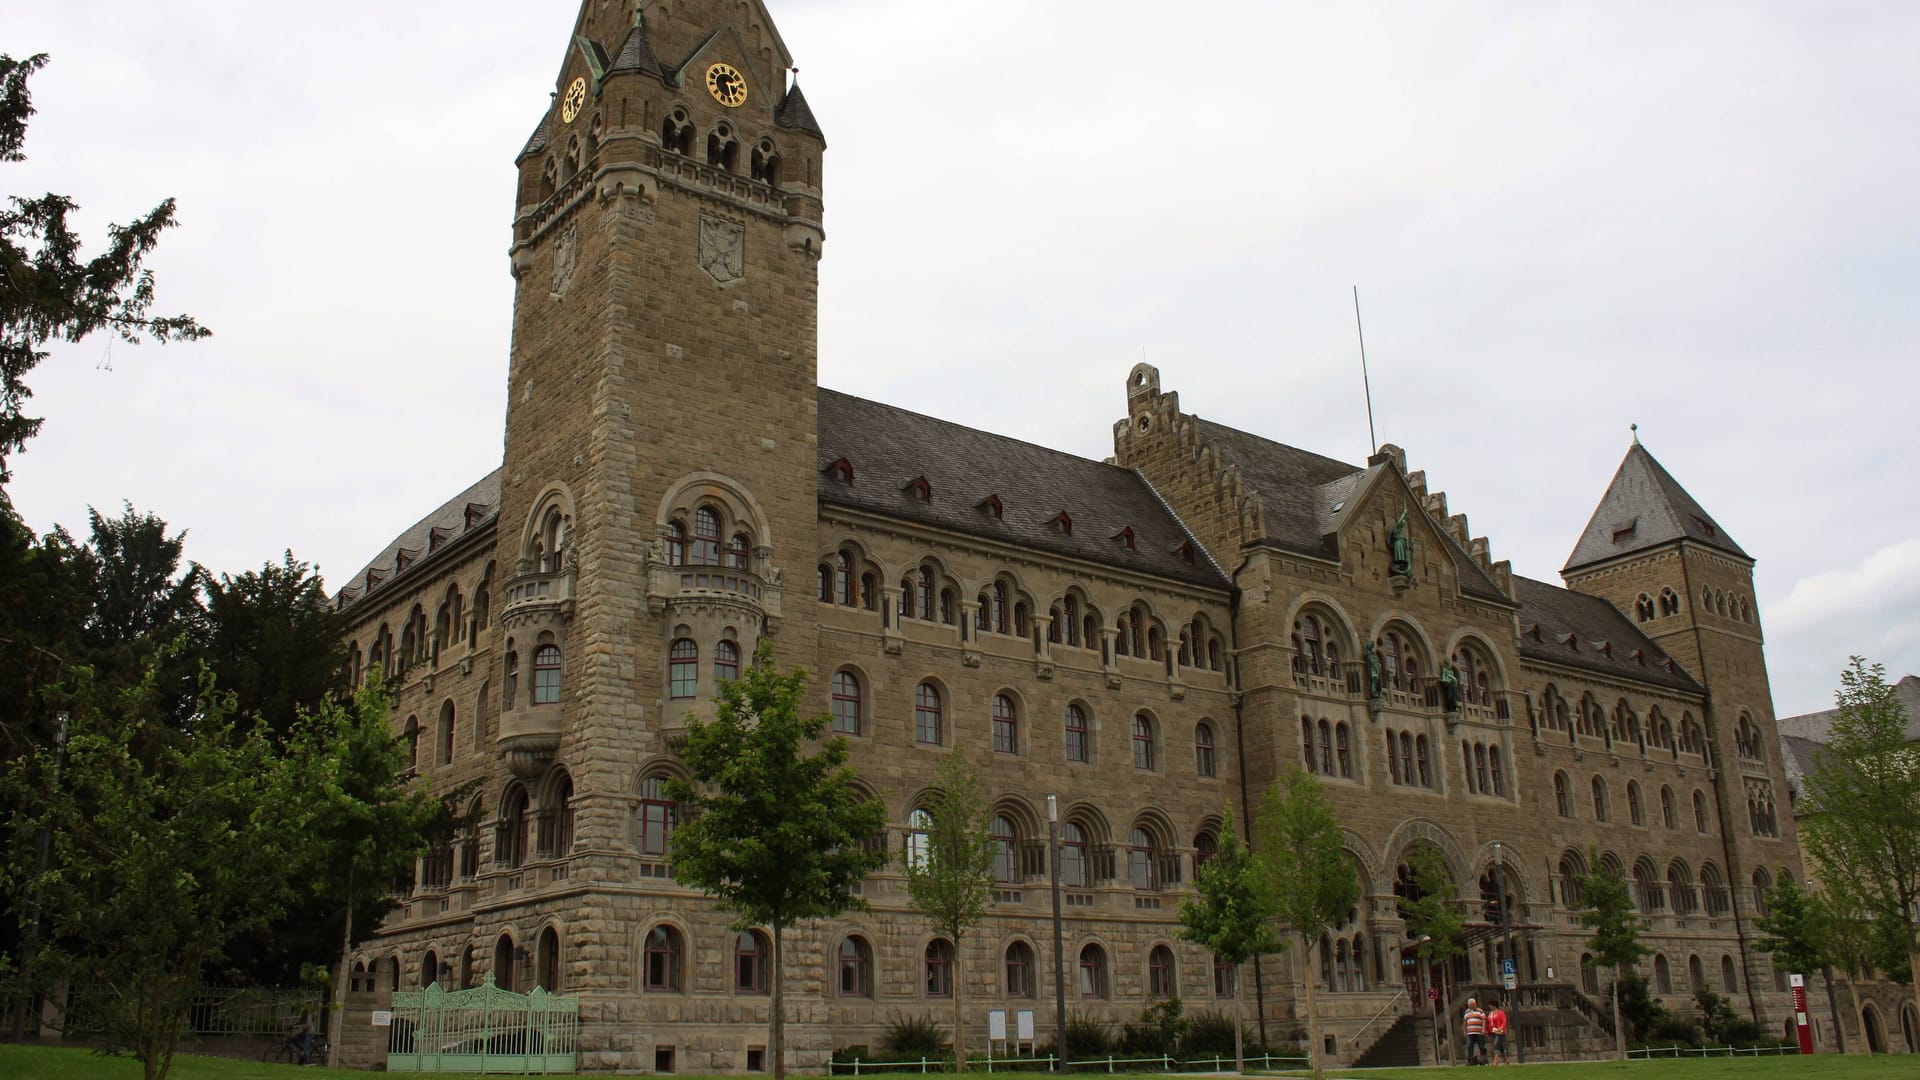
[
  {"x": 1302, "y": 853},
  {"x": 950, "y": 876},
  {"x": 1607, "y": 909},
  {"x": 775, "y": 833},
  {"x": 1860, "y": 818},
  {"x": 1435, "y": 920},
  {"x": 1799, "y": 934},
  {"x": 1231, "y": 915}
]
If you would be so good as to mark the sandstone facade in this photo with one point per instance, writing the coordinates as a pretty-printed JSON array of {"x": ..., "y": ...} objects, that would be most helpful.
[{"x": 1154, "y": 639}]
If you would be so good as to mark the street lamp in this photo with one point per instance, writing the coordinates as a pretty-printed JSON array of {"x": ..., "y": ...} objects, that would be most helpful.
[
  {"x": 1059, "y": 961},
  {"x": 1506, "y": 929}
]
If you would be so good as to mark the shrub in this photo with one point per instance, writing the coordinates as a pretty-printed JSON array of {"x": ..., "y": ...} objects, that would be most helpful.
[
  {"x": 1673, "y": 1029},
  {"x": 1088, "y": 1036},
  {"x": 915, "y": 1036},
  {"x": 1159, "y": 1031},
  {"x": 1210, "y": 1034}
]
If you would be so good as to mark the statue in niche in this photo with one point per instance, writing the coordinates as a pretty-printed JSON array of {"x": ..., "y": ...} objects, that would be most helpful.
[
  {"x": 1400, "y": 543},
  {"x": 1374, "y": 689},
  {"x": 1450, "y": 686}
]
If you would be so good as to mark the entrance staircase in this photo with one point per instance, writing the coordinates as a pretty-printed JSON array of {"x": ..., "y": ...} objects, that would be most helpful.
[{"x": 1398, "y": 1045}]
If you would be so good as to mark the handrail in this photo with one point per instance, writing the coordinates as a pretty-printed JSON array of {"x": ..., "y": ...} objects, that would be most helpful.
[{"x": 1397, "y": 995}]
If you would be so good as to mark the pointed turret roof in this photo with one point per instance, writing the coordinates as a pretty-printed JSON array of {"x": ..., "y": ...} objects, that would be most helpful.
[
  {"x": 1644, "y": 508},
  {"x": 794, "y": 114},
  {"x": 637, "y": 55}
]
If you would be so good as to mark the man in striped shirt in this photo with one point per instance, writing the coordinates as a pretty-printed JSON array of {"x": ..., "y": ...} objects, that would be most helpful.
[{"x": 1475, "y": 1023}]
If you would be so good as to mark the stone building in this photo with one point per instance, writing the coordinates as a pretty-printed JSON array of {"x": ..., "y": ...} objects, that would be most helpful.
[
  {"x": 1154, "y": 638},
  {"x": 1877, "y": 1014}
]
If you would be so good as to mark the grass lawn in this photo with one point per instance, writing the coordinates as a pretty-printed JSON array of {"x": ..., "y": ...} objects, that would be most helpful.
[{"x": 61, "y": 1063}]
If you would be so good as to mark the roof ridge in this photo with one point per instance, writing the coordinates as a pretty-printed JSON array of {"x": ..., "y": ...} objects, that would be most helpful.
[
  {"x": 1057, "y": 452},
  {"x": 1218, "y": 426}
]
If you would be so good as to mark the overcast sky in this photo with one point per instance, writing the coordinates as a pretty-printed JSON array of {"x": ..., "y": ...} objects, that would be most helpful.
[{"x": 1563, "y": 219}]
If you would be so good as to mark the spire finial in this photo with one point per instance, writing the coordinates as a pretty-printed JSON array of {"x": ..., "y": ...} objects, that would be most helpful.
[{"x": 1636, "y": 433}]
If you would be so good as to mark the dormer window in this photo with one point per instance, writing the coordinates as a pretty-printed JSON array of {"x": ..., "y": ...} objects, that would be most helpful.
[
  {"x": 437, "y": 536},
  {"x": 1639, "y": 656},
  {"x": 919, "y": 489},
  {"x": 1606, "y": 649},
  {"x": 475, "y": 514},
  {"x": 992, "y": 505},
  {"x": 1705, "y": 525},
  {"x": 841, "y": 470},
  {"x": 1063, "y": 522},
  {"x": 1125, "y": 536},
  {"x": 1627, "y": 531},
  {"x": 404, "y": 558},
  {"x": 1534, "y": 632},
  {"x": 1184, "y": 551}
]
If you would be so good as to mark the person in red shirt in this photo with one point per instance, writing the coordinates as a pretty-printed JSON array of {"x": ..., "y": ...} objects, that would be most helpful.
[{"x": 1497, "y": 1028}]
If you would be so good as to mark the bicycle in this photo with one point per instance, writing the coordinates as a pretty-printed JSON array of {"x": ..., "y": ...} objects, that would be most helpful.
[{"x": 287, "y": 1051}]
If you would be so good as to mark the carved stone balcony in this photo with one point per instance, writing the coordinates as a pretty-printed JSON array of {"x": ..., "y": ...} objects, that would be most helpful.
[
  {"x": 544, "y": 598},
  {"x": 720, "y": 591},
  {"x": 530, "y": 735}
]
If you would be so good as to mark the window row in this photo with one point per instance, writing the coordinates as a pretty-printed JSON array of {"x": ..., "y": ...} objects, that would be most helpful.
[
  {"x": 547, "y": 667},
  {"x": 1020, "y": 973},
  {"x": 1654, "y": 890},
  {"x": 1620, "y": 727},
  {"x": 1480, "y": 762},
  {"x": 926, "y": 594},
  {"x": 721, "y": 148},
  {"x": 1646, "y": 608},
  {"x": 1006, "y": 726},
  {"x": 683, "y": 666},
  {"x": 1601, "y": 795},
  {"x": 1762, "y": 819},
  {"x": 1326, "y": 749},
  {"x": 459, "y": 619},
  {"x": 446, "y": 732},
  {"x": 702, "y": 544}
]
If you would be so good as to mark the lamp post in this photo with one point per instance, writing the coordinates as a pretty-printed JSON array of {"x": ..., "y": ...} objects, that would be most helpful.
[
  {"x": 1059, "y": 961},
  {"x": 1506, "y": 930}
]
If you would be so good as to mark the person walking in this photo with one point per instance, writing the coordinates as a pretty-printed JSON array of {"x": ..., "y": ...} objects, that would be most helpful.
[
  {"x": 1497, "y": 1028},
  {"x": 1474, "y": 1021}
]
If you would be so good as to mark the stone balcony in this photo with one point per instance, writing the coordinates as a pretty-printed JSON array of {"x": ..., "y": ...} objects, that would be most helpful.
[{"x": 544, "y": 597}]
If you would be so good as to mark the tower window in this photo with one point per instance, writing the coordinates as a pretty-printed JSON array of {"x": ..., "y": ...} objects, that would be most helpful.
[
  {"x": 723, "y": 149},
  {"x": 676, "y": 132},
  {"x": 546, "y": 675},
  {"x": 766, "y": 163}
]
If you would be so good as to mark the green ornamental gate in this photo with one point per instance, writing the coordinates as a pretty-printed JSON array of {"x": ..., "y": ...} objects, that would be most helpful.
[{"x": 483, "y": 1030}]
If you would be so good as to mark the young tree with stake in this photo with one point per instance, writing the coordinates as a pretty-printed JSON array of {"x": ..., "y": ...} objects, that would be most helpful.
[
  {"x": 1230, "y": 915},
  {"x": 950, "y": 877},
  {"x": 776, "y": 834},
  {"x": 1609, "y": 912},
  {"x": 1303, "y": 855}
]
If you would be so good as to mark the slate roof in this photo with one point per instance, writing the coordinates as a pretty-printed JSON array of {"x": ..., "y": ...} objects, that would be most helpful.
[
  {"x": 538, "y": 140},
  {"x": 794, "y": 114},
  {"x": 888, "y": 448},
  {"x": 1577, "y": 630},
  {"x": 1643, "y": 508},
  {"x": 1303, "y": 494},
  {"x": 450, "y": 519},
  {"x": 1798, "y": 757},
  {"x": 637, "y": 55}
]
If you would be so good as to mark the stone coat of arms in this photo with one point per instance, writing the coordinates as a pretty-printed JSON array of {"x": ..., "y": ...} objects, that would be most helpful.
[
  {"x": 723, "y": 247},
  {"x": 566, "y": 256}
]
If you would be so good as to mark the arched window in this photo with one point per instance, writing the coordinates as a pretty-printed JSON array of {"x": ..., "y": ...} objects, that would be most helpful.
[
  {"x": 443, "y": 735},
  {"x": 1493, "y": 769},
  {"x": 1093, "y": 972},
  {"x": 856, "y": 967},
  {"x": 677, "y": 545},
  {"x": 664, "y": 954},
  {"x": 1306, "y": 744},
  {"x": 846, "y": 703},
  {"x": 1589, "y": 975},
  {"x": 1326, "y": 748},
  {"x": 1393, "y": 759},
  {"x": 1713, "y": 890},
  {"x": 1636, "y": 812},
  {"x": 869, "y": 592},
  {"x": 1762, "y": 884},
  {"x": 547, "y": 961},
  {"x": 927, "y": 728},
  {"x": 1160, "y": 973},
  {"x": 1142, "y": 742},
  {"x": 1731, "y": 985},
  {"x": 750, "y": 962},
  {"x": 1070, "y": 619},
  {"x": 1680, "y": 888},
  {"x": 939, "y": 968},
  {"x": 503, "y": 965},
  {"x": 1203, "y": 749},
  {"x": 683, "y": 669},
  {"x": 654, "y": 829},
  {"x": 1643, "y": 608},
  {"x": 738, "y": 550},
  {"x": 1225, "y": 979},
  {"x": 510, "y": 841},
  {"x": 1662, "y": 974},
  {"x": 1599, "y": 799},
  {"x": 1141, "y": 857},
  {"x": 706, "y": 537},
  {"x": 1343, "y": 752},
  {"x": 1701, "y": 820},
  {"x": 1666, "y": 807},
  {"x": 1480, "y": 768},
  {"x": 1205, "y": 847},
  {"x": 1573, "y": 867},
  {"x": 1669, "y": 602},
  {"x": 1019, "y": 966},
  {"x": 1073, "y": 856},
  {"x": 726, "y": 661},
  {"x": 1006, "y": 726},
  {"x": 546, "y": 675},
  {"x": 843, "y": 579},
  {"x": 926, "y": 597},
  {"x": 919, "y": 825},
  {"x": 1079, "y": 739},
  {"x": 1006, "y": 850},
  {"x": 1426, "y": 765},
  {"x": 1647, "y": 887}
]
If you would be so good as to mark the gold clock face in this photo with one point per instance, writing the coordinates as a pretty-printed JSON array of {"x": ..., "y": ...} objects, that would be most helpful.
[
  {"x": 727, "y": 85},
  {"x": 576, "y": 96}
]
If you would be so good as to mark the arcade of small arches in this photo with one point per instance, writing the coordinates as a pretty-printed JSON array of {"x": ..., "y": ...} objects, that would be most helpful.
[
  {"x": 1647, "y": 608},
  {"x": 1620, "y": 728},
  {"x": 457, "y": 622}
]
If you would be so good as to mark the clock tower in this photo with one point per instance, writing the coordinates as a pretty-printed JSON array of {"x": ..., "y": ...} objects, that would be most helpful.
[{"x": 658, "y": 479}]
